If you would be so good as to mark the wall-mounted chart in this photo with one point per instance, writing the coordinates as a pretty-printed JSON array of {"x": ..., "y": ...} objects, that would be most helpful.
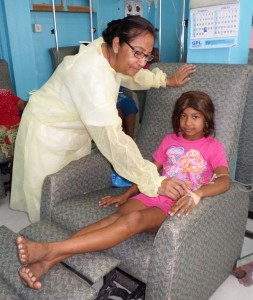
[{"x": 214, "y": 26}]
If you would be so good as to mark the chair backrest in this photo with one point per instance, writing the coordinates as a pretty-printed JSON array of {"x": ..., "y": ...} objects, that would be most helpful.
[
  {"x": 244, "y": 165},
  {"x": 225, "y": 84},
  {"x": 250, "y": 58},
  {"x": 63, "y": 51},
  {"x": 5, "y": 78}
]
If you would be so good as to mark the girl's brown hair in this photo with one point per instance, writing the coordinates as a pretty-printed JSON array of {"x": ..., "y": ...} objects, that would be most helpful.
[{"x": 199, "y": 101}]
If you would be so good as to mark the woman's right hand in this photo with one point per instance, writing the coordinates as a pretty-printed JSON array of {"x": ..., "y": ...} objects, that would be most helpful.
[
  {"x": 173, "y": 188},
  {"x": 181, "y": 76},
  {"x": 109, "y": 200}
]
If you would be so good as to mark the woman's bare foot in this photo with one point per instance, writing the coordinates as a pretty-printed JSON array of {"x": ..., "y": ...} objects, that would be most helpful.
[{"x": 30, "y": 252}]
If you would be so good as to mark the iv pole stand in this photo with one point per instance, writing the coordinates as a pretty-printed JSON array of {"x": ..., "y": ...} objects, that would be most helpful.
[
  {"x": 91, "y": 22},
  {"x": 182, "y": 51},
  {"x": 55, "y": 33},
  {"x": 160, "y": 30}
]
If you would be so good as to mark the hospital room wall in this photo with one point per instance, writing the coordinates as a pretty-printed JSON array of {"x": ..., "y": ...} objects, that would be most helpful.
[{"x": 27, "y": 51}]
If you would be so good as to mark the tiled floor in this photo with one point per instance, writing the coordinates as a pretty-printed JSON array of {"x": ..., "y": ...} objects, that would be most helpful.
[{"x": 231, "y": 289}]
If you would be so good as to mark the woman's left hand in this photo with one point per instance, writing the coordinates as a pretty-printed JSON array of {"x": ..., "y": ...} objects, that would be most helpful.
[
  {"x": 181, "y": 76},
  {"x": 184, "y": 205}
]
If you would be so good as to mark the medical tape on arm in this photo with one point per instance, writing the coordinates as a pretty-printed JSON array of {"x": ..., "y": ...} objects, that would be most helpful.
[
  {"x": 194, "y": 197},
  {"x": 215, "y": 176}
]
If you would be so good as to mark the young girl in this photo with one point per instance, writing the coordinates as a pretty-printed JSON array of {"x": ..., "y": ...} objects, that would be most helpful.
[{"x": 190, "y": 156}]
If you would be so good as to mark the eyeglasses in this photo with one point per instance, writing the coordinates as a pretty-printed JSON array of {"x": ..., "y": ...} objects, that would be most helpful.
[{"x": 138, "y": 54}]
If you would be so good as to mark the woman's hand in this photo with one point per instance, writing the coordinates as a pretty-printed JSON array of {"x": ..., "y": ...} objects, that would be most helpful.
[
  {"x": 173, "y": 188},
  {"x": 109, "y": 200},
  {"x": 181, "y": 76},
  {"x": 184, "y": 205}
]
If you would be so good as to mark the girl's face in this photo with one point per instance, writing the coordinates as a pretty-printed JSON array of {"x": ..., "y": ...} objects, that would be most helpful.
[
  {"x": 126, "y": 63},
  {"x": 192, "y": 123}
]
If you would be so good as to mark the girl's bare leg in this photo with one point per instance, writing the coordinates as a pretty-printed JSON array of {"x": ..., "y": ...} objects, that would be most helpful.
[
  {"x": 130, "y": 206},
  {"x": 42, "y": 256}
]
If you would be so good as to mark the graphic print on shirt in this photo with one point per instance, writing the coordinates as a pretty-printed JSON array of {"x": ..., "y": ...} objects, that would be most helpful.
[{"x": 187, "y": 166}]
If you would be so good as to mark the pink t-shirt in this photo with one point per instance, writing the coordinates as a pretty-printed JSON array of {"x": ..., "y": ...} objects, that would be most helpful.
[{"x": 191, "y": 161}]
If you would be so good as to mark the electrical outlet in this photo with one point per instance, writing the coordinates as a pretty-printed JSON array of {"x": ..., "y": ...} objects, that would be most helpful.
[{"x": 37, "y": 28}]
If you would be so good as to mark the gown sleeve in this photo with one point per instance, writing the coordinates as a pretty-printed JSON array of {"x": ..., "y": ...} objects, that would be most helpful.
[{"x": 145, "y": 79}]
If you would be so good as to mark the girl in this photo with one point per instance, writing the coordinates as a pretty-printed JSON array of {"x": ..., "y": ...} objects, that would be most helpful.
[{"x": 191, "y": 154}]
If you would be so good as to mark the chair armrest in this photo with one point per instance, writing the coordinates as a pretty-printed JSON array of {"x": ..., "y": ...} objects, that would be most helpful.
[
  {"x": 193, "y": 255},
  {"x": 90, "y": 173}
]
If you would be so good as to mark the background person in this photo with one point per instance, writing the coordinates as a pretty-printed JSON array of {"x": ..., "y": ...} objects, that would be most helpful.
[{"x": 11, "y": 108}]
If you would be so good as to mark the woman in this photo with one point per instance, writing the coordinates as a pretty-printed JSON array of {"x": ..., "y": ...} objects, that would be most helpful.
[{"x": 78, "y": 104}]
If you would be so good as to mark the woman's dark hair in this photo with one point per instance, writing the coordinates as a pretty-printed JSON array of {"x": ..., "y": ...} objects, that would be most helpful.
[
  {"x": 199, "y": 101},
  {"x": 127, "y": 29}
]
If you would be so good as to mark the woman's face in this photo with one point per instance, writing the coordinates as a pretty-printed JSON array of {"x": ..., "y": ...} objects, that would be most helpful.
[{"x": 126, "y": 63}]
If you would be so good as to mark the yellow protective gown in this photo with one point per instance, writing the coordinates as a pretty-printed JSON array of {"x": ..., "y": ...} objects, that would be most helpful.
[{"x": 78, "y": 104}]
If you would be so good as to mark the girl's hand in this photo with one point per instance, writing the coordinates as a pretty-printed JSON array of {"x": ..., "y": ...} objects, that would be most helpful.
[
  {"x": 109, "y": 200},
  {"x": 184, "y": 205}
]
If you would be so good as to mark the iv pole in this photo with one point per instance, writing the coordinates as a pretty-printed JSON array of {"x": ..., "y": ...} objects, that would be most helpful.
[
  {"x": 55, "y": 33},
  {"x": 182, "y": 52},
  {"x": 160, "y": 30},
  {"x": 91, "y": 22}
]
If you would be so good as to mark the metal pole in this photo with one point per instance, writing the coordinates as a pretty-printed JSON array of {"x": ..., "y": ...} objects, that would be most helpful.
[
  {"x": 182, "y": 54},
  {"x": 55, "y": 33},
  {"x": 160, "y": 30},
  {"x": 91, "y": 22}
]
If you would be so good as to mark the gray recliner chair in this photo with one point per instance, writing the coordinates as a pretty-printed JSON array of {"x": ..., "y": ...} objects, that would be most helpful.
[
  {"x": 189, "y": 257},
  {"x": 63, "y": 51}
]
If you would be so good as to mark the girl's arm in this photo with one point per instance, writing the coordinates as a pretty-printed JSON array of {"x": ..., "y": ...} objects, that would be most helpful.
[
  {"x": 122, "y": 198},
  {"x": 220, "y": 185}
]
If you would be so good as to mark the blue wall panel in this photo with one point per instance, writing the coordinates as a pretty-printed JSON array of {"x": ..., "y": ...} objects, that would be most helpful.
[{"x": 21, "y": 52}]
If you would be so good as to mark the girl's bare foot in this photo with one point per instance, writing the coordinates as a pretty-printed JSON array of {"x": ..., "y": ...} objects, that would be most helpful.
[
  {"x": 30, "y": 252},
  {"x": 30, "y": 275}
]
